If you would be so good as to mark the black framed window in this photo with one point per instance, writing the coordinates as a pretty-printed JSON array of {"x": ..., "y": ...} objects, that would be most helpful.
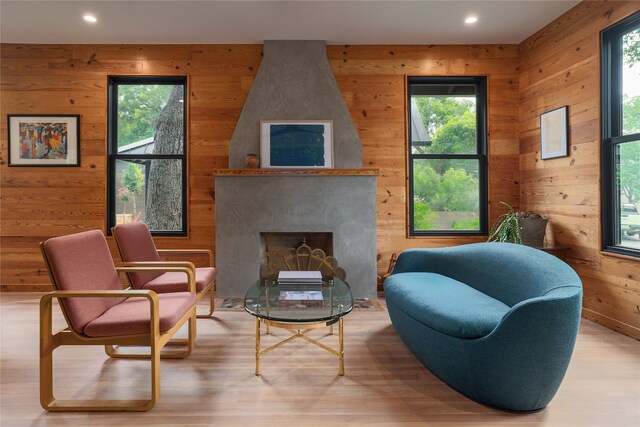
[
  {"x": 447, "y": 155},
  {"x": 147, "y": 153},
  {"x": 620, "y": 56}
]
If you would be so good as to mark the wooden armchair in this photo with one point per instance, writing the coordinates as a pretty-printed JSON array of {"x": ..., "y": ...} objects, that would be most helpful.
[
  {"x": 137, "y": 249},
  {"x": 99, "y": 312}
]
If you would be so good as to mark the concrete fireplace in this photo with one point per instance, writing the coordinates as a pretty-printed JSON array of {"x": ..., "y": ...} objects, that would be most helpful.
[{"x": 295, "y": 82}]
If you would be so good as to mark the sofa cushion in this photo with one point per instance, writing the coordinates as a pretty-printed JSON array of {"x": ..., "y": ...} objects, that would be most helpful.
[
  {"x": 133, "y": 315},
  {"x": 444, "y": 304},
  {"x": 177, "y": 282}
]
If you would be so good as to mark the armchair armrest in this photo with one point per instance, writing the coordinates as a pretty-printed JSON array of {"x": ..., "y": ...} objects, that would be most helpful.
[
  {"x": 207, "y": 252},
  {"x": 162, "y": 266},
  {"x": 186, "y": 264}
]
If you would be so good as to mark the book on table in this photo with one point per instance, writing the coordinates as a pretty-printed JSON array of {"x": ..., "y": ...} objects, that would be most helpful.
[
  {"x": 301, "y": 295},
  {"x": 300, "y": 277},
  {"x": 301, "y": 298}
]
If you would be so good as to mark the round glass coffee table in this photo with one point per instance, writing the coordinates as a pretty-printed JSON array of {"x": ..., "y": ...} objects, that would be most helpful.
[{"x": 299, "y": 308}]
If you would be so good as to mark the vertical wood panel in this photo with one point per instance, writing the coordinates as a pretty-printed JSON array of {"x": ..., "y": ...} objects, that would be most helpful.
[{"x": 560, "y": 66}]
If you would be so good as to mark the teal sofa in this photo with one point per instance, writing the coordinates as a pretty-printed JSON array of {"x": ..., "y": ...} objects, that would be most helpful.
[{"x": 496, "y": 321}]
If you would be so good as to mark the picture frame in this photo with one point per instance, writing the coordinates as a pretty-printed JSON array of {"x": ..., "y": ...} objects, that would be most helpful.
[
  {"x": 43, "y": 139},
  {"x": 554, "y": 133},
  {"x": 296, "y": 144}
]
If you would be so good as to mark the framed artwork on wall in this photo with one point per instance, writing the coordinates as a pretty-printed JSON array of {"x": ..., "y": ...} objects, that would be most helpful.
[
  {"x": 554, "y": 133},
  {"x": 296, "y": 144},
  {"x": 43, "y": 140}
]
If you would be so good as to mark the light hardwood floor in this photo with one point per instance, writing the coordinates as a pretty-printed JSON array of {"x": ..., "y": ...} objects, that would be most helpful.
[{"x": 384, "y": 384}]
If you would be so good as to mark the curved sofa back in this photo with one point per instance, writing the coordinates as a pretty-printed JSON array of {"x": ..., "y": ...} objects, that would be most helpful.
[{"x": 507, "y": 272}]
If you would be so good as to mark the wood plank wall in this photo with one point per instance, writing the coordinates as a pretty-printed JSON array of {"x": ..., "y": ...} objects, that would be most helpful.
[
  {"x": 38, "y": 203},
  {"x": 373, "y": 80},
  {"x": 560, "y": 66}
]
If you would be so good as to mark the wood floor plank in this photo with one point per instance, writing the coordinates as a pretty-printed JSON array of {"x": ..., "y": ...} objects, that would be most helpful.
[{"x": 384, "y": 384}]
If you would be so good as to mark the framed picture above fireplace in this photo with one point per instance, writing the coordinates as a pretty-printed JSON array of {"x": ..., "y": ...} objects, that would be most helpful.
[{"x": 296, "y": 144}]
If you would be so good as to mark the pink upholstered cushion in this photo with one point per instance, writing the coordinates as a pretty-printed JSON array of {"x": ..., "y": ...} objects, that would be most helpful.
[
  {"x": 133, "y": 316},
  {"x": 177, "y": 282},
  {"x": 83, "y": 262},
  {"x": 136, "y": 244}
]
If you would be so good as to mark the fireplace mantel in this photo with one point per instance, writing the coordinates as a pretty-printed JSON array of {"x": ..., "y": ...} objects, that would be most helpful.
[{"x": 296, "y": 172}]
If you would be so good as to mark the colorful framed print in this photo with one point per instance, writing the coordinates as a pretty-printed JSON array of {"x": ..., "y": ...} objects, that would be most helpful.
[
  {"x": 554, "y": 133},
  {"x": 296, "y": 144},
  {"x": 44, "y": 140}
]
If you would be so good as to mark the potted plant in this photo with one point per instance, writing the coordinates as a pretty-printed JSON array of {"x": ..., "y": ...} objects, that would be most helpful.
[{"x": 526, "y": 228}]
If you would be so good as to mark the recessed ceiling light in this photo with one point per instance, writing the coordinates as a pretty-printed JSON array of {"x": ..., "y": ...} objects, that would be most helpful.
[
  {"x": 471, "y": 19},
  {"x": 90, "y": 18}
]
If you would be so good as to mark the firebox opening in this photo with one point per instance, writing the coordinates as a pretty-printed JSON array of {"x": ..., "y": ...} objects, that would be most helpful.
[{"x": 273, "y": 247}]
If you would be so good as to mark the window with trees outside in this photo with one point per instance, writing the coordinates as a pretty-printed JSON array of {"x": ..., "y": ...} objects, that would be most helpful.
[
  {"x": 147, "y": 162},
  {"x": 447, "y": 155},
  {"x": 620, "y": 49}
]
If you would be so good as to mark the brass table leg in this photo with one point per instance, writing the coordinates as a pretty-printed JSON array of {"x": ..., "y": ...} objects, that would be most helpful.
[
  {"x": 340, "y": 348},
  {"x": 257, "y": 346},
  {"x": 297, "y": 332}
]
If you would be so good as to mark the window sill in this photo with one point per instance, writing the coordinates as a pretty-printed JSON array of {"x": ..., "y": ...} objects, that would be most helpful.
[
  {"x": 478, "y": 237},
  {"x": 622, "y": 256}
]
